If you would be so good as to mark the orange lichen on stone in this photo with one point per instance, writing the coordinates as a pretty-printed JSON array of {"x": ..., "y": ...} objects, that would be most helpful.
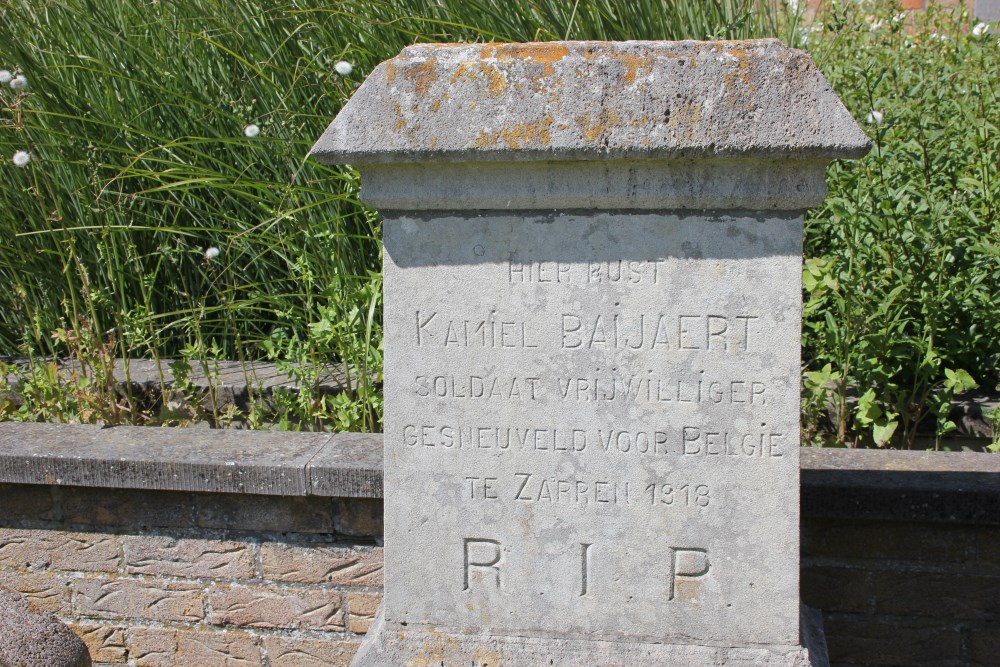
[
  {"x": 593, "y": 130},
  {"x": 390, "y": 71},
  {"x": 743, "y": 68},
  {"x": 521, "y": 135},
  {"x": 422, "y": 75},
  {"x": 633, "y": 64},
  {"x": 541, "y": 52},
  {"x": 398, "y": 111}
]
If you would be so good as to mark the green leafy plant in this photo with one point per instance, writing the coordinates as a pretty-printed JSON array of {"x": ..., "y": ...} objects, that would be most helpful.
[{"x": 902, "y": 278}]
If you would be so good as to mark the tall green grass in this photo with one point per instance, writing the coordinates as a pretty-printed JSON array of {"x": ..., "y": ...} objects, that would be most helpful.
[{"x": 134, "y": 118}]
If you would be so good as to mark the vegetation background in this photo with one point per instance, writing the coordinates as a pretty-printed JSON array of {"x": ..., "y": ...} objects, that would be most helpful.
[{"x": 147, "y": 223}]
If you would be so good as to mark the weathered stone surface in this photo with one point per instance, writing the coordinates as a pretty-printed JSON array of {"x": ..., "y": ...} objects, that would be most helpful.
[
  {"x": 106, "y": 643},
  {"x": 349, "y": 465},
  {"x": 592, "y": 100},
  {"x": 316, "y": 564},
  {"x": 585, "y": 397},
  {"x": 36, "y": 639},
  {"x": 189, "y": 557},
  {"x": 134, "y": 457},
  {"x": 296, "y": 514},
  {"x": 362, "y": 608},
  {"x": 592, "y": 358},
  {"x": 133, "y": 598},
  {"x": 250, "y": 607},
  {"x": 423, "y": 646},
  {"x": 60, "y": 550},
  {"x": 295, "y": 652},
  {"x": 165, "y": 647},
  {"x": 45, "y": 592}
]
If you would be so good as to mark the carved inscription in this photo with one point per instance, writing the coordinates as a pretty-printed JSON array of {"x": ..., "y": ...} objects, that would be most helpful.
[
  {"x": 696, "y": 441},
  {"x": 733, "y": 334},
  {"x": 683, "y": 565},
  {"x": 481, "y": 554},
  {"x": 614, "y": 272},
  {"x": 644, "y": 331},
  {"x": 531, "y": 487}
]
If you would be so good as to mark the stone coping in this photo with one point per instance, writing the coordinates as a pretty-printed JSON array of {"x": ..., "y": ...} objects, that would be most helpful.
[{"x": 905, "y": 486}]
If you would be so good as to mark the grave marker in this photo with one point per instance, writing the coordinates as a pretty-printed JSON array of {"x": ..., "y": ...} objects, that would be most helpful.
[{"x": 592, "y": 324}]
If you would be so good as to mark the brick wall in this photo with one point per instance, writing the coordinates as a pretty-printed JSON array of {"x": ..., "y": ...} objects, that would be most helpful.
[
  {"x": 901, "y": 550},
  {"x": 904, "y": 593},
  {"x": 154, "y": 578}
]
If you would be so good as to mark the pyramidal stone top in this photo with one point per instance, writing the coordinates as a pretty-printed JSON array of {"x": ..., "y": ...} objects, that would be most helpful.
[{"x": 592, "y": 100}]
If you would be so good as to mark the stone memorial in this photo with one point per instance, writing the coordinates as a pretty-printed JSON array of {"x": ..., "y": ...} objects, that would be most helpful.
[{"x": 592, "y": 324}]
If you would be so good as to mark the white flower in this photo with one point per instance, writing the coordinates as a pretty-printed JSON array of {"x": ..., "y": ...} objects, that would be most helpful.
[
  {"x": 343, "y": 68},
  {"x": 211, "y": 253},
  {"x": 875, "y": 117},
  {"x": 899, "y": 18},
  {"x": 21, "y": 158},
  {"x": 251, "y": 131},
  {"x": 877, "y": 24},
  {"x": 793, "y": 5},
  {"x": 5, "y": 76},
  {"x": 19, "y": 82},
  {"x": 980, "y": 29}
]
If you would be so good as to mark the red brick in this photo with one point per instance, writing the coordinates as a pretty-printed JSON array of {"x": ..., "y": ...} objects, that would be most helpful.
[
  {"x": 134, "y": 508},
  {"x": 937, "y": 596},
  {"x": 132, "y": 598},
  {"x": 251, "y": 607},
  {"x": 913, "y": 4},
  {"x": 984, "y": 645},
  {"x": 864, "y": 640},
  {"x": 315, "y": 564},
  {"x": 105, "y": 643},
  {"x": 362, "y": 608},
  {"x": 24, "y": 501},
  {"x": 887, "y": 540},
  {"x": 45, "y": 592},
  {"x": 258, "y": 512},
  {"x": 188, "y": 557},
  {"x": 358, "y": 517},
  {"x": 57, "y": 549},
  {"x": 225, "y": 649},
  {"x": 152, "y": 647},
  {"x": 293, "y": 652},
  {"x": 988, "y": 548},
  {"x": 836, "y": 588}
]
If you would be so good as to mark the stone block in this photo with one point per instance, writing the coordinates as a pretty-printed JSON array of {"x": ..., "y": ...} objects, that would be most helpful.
[
  {"x": 349, "y": 465},
  {"x": 135, "y": 598},
  {"x": 106, "y": 643},
  {"x": 170, "y": 459},
  {"x": 189, "y": 557},
  {"x": 592, "y": 356},
  {"x": 59, "y": 550},
  {"x": 292, "y": 608},
  {"x": 316, "y": 563},
  {"x": 298, "y": 652},
  {"x": 362, "y": 608}
]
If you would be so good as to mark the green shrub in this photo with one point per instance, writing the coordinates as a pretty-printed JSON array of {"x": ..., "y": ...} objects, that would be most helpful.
[{"x": 902, "y": 269}]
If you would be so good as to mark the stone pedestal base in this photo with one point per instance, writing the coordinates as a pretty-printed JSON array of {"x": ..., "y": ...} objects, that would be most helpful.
[{"x": 423, "y": 647}]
